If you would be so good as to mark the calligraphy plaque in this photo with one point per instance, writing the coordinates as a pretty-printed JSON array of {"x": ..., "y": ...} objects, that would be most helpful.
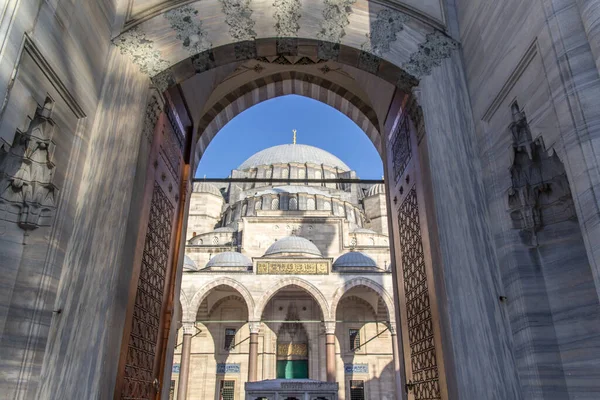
[
  {"x": 356, "y": 368},
  {"x": 292, "y": 349},
  {"x": 292, "y": 268},
  {"x": 223, "y": 368}
]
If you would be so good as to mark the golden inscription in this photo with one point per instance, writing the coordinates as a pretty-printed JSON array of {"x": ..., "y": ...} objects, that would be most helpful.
[
  {"x": 292, "y": 268},
  {"x": 292, "y": 349}
]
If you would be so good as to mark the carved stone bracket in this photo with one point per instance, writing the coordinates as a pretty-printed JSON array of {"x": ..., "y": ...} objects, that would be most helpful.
[
  {"x": 392, "y": 327},
  {"x": 26, "y": 173},
  {"x": 540, "y": 194}
]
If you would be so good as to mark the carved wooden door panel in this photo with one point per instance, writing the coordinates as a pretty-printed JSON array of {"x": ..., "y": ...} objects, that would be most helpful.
[
  {"x": 413, "y": 262},
  {"x": 155, "y": 258}
]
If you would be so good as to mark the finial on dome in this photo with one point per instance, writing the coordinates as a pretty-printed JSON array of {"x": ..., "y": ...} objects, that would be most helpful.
[{"x": 293, "y": 130}]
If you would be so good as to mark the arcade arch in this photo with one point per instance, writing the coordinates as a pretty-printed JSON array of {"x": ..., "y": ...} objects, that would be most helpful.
[
  {"x": 191, "y": 310},
  {"x": 308, "y": 287}
]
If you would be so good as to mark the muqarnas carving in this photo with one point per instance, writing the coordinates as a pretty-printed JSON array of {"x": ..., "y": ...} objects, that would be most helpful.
[
  {"x": 540, "y": 194},
  {"x": 27, "y": 193}
]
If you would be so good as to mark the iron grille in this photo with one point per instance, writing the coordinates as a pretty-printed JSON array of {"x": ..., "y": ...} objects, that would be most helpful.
[
  {"x": 227, "y": 390},
  {"x": 357, "y": 390},
  {"x": 229, "y": 338},
  {"x": 354, "y": 339}
]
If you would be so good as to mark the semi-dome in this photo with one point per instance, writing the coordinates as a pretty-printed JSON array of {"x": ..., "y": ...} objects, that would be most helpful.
[
  {"x": 189, "y": 264},
  {"x": 229, "y": 259},
  {"x": 354, "y": 259},
  {"x": 378, "y": 188},
  {"x": 293, "y": 153},
  {"x": 293, "y": 244},
  {"x": 206, "y": 187}
]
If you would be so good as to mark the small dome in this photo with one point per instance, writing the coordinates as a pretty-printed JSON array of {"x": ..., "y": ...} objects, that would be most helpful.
[
  {"x": 205, "y": 187},
  {"x": 378, "y": 188},
  {"x": 189, "y": 264},
  {"x": 293, "y": 153},
  {"x": 229, "y": 259},
  {"x": 354, "y": 259},
  {"x": 293, "y": 244}
]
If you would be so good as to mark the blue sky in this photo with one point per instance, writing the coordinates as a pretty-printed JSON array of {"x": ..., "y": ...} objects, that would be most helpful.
[{"x": 270, "y": 123}]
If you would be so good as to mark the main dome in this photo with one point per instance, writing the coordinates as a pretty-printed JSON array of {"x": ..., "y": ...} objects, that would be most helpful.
[{"x": 293, "y": 153}]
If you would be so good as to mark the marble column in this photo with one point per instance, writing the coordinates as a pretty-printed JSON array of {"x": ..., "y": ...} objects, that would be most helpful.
[
  {"x": 253, "y": 353},
  {"x": 397, "y": 357},
  {"x": 330, "y": 350},
  {"x": 189, "y": 330}
]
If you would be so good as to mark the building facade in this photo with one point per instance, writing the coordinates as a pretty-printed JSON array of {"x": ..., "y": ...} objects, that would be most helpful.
[{"x": 296, "y": 264}]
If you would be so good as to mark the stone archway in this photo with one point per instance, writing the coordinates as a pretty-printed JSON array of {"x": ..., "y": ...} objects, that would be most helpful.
[
  {"x": 368, "y": 283},
  {"x": 281, "y": 84},
  {"x": 293, "y": 281},
  {"x": 199, "y": 296}
]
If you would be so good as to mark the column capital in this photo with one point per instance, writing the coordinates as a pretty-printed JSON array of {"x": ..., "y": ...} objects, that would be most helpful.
[
  {"x": 189, "y": 328},
  {"x": 254, "y": 326},
  {"x": 392, "y": 327},
  {"x": 329, "y": 327}
]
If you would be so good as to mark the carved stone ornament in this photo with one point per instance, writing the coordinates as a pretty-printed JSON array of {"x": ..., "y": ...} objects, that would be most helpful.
[
  {"x": 329, "y": 327},
  {"x": 238, "y": 15},
  {"x": 135, "y": 44},
  {"x": 335, "y": 19},
  {"x": 287, "y": 14},
  {"x": 189, "y": 328},
  {"x": 436, "y": 47},
  {"x": 189, "y": 30},
  {"x": 540, "y": 194},
  {"x": 26, "y": 172},
  {"x": 384, "y": 31},
  {"x": 254, "y": 326}
]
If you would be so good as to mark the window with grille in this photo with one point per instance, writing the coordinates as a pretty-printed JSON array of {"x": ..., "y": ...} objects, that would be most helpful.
[
  {"x": 293, "y": 205},
  {"x": 229, "y": 339},
  {"x": 275, "y": 204},
  {"x": 354, "y": 339},
  {"x": 357, "y": 390},
  {"x": 227, "y": 390},
  {"x": 310, "y": 204}
]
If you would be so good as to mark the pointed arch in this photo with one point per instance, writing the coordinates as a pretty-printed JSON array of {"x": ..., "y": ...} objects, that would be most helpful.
[
  {"x": 293, "y": 281},
  {"x": 201, "y": 294},
  {"x": 376, "y": 287}
]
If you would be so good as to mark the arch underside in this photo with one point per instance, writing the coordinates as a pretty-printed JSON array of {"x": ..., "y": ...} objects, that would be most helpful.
[
  {"x": 390, "y": 41},
  {"x": 281, "y": 84}
]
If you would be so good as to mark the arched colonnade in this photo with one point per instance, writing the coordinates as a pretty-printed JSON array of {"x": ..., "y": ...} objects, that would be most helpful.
[{"x": 256, "y": 303}]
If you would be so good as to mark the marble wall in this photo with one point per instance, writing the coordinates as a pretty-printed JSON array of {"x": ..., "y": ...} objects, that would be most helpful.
[{"x": 545, "y": 62}]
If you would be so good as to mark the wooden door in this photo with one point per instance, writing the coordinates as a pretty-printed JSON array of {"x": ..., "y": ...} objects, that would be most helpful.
[
  {"x": 418, "y": 318},
  {"x": 155, "y": 261}
]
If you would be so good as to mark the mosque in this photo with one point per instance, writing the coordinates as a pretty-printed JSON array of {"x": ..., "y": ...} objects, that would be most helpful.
[{"x": 287, "y": 281}]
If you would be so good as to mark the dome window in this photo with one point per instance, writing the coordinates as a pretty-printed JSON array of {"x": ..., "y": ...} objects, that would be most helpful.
[
  {"x": 258, "y": 205},
  {"x": 215, "y": 240},
  {"x": 327, "y": 205},
  {"x": 310, "y": 204},
  {"x": 275, "y": 204},
  {"x": 293, "y": 204}
]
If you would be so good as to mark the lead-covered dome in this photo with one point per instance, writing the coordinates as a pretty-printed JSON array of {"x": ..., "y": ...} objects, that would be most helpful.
[
  {"x": 229, "y": 259},
  {"x": 206, "y": 187},
  {"x": 378, "y": 188},
  {"x": 293, "y": 153},
  {"x": 354, "y": 259},
  {"x": 294, "y": 245},
  {"x": 189, "y": 264}
]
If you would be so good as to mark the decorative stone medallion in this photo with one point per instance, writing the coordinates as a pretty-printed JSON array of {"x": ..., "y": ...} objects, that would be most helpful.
[
  {"x": 189, "y": 29},
  {"x": 430, "y": 54},
  {"x": 135, "y": 44}
]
